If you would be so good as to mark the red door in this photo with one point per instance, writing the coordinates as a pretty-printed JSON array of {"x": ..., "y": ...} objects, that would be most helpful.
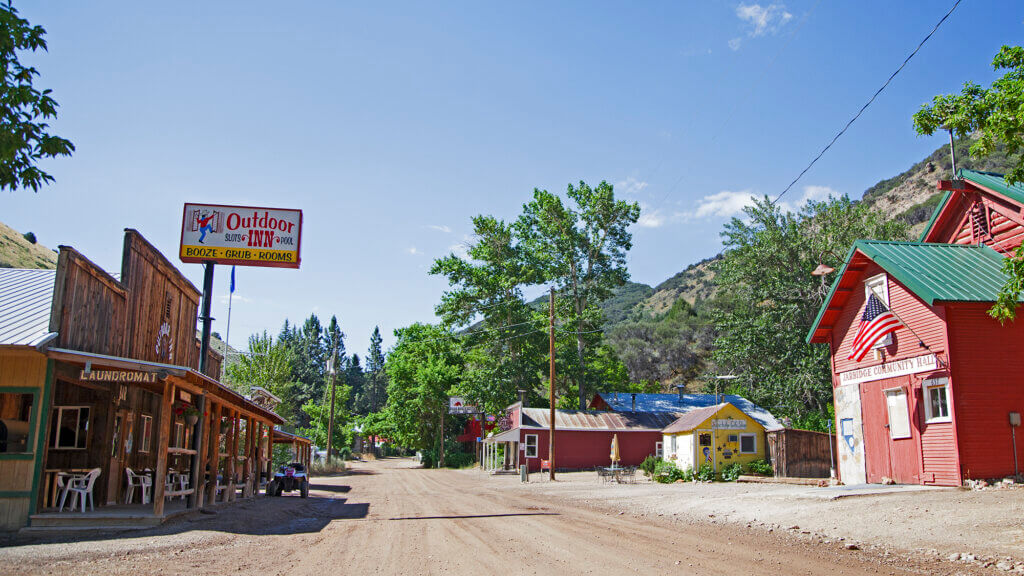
[{"x": 891, "y": 437}]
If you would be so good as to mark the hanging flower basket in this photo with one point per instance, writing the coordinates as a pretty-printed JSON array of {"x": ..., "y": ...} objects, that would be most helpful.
[
  {"x": 191, "y": 419},
  {"x": 225, "y": 425}
]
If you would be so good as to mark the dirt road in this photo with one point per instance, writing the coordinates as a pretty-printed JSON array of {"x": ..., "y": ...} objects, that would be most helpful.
[{"x": 388, "y": 517}]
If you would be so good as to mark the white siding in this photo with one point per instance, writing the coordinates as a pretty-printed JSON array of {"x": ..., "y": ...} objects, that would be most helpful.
[{"x": 684, "y": 449}]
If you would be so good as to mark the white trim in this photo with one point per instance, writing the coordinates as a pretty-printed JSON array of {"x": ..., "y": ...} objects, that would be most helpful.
[
  {"x": 53, "y": 445},
  {"x": 528, "y": 445},
  {"x": 880, "y": 281},
  {"x": 145, "y": 440},
  {"x": 926, "y": 386},
  {"x": 659, "y": 450},
  {"x": 754, "y": 436}
]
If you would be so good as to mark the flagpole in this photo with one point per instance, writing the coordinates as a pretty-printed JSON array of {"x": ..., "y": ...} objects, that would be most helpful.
[{"x": 227, "y": 335}]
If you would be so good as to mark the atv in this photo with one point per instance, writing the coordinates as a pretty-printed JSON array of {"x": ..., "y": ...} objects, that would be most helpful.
[{"x": 289, "y": 478}]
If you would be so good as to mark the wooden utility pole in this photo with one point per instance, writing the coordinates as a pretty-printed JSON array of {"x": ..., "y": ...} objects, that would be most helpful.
[
  {"x": 551, "y": 379},
  {"x": 440, "y": 452},
  {"x": 332, "y": 369}
]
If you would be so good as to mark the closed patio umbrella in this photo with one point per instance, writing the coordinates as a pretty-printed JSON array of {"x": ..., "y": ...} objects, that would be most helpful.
[{"x": 615, "y": 450}]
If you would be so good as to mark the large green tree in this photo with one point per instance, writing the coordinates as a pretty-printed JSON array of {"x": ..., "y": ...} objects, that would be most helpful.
[
  {"x": 765, "y": 277},
  {"x": 581, "y": 248},
  {"x": 24, "y": 135},
  {"x": 269, "y": 365},
  {"x": 996, "y": 115},
  {"x": 376, "y": 380}
]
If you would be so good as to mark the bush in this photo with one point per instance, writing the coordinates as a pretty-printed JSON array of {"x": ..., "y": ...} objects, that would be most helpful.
[
  {"x": 345, "y": 453},
  {"x": 321, "y": 468},
  {"x": 649, "y": 464},
  {"x": 706, "y": 473},
  {"x": 761, "y": 468},
  {"x": 30, "y": 237},
  {"x": 730, "y": 472},
  {"x": 452, "y": 459},
  {"x": 667, "y": 473}
]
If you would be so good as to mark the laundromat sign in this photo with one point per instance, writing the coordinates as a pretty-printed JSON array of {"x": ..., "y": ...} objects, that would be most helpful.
[{"x": 241, "y": 235}]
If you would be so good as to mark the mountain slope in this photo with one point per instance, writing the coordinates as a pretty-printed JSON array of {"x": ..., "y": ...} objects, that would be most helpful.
[{"x": 17, "y": 252}]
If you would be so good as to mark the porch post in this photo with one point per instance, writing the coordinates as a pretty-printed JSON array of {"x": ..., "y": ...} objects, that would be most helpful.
[
  {"x": 195, "y": 499},
  {"x": 250, "y": 435},
  {"x": 163, "y": 440},
  {"x": 232, "y": 446},
  {"x": 213, "y": 453}
]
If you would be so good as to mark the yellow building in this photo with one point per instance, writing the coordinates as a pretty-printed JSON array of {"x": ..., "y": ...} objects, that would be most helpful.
[{"x": 718, "y": 435}]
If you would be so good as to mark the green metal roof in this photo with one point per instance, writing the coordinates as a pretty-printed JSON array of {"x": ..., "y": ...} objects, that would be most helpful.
[
  {"x": 933, "y": 272},
  {"x": 995, "y": 182}
]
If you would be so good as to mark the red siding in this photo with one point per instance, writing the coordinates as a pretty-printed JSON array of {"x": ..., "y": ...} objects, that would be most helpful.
[
  {"x": 988, "y": 369},
  {"x": 939, "y": 449},
  {"x": 587, "y": 449},
  {"x": 927, "y": 321}
]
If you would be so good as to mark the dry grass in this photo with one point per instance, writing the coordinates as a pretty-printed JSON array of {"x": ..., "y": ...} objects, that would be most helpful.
[{"x": 16, "y": 252}]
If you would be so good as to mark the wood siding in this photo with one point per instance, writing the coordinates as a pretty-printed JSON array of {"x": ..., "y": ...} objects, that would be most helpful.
[
  {"x": 801, "y": 453},
  {"x": 89, "y": 309},
  {"x": 927, "y": 321},
  {"x": 579, "y": 450},
  {"x": 980, "y": 217},
  {"x": 21, "y": 371},
  {"x": 987, "y": 384}
]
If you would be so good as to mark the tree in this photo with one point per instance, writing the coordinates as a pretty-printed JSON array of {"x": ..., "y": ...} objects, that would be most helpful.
[
  {"x": 24, "y": 137},
  {"x": 997, "y": 115},
  {"x": 269, "y": 365},
  {"x": 765, "y": 275},
  {"x": 582, "y": 250},
  {"x": 376, "y": 380}
]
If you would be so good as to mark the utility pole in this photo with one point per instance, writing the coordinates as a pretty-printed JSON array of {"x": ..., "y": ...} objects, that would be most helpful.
[
  {"x": 551, "y": 379},
  {"x": 440, "y": 452},
  {"x": 332, "y": 370}
]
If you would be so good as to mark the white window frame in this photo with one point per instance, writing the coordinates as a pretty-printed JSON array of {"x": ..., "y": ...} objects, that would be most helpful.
[
  {"x": 752, "y": 436},
  {"x": 879, "y": 285},
  {"x": 673, "y": 446},
  {"x": 926, "y": 387},
  {"x": 145, "y": 434},
  {"x": 906, "y": 407},
  {"x": 531, "y": 445},
  {"x": 59, "y": 417},
  {"x": 178, "y": 439},
  {"x": 659, "y": 450}
]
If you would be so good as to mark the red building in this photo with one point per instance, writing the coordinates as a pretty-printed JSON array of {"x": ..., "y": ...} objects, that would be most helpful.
[
  {"x": 583, "y": 438},
  {"x": 933, "y": 402}
]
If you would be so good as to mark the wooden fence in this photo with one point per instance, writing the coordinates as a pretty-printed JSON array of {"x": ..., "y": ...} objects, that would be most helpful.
[{"x": 801, "y": 453}]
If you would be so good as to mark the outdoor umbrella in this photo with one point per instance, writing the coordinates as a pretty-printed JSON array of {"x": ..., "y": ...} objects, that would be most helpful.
[{"x": 615, "y": 449}]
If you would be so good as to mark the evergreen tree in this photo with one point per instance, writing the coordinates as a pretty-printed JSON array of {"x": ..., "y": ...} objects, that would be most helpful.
[{"x": 376, "y": 379}]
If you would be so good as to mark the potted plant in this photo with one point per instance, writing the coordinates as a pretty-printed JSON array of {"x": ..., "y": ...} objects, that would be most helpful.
[{"x": 191, "y": 415}]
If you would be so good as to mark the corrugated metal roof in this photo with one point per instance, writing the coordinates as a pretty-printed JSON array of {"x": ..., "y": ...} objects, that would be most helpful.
[
  {"x": 26, "y": 297},
  {"x": 597, "y": 419},
  {"x": 692, "y": 419},
  {"x": 622, "y": 401},
  {"x": 933, "y": 272},
  {"x": 995, "y": 182}
]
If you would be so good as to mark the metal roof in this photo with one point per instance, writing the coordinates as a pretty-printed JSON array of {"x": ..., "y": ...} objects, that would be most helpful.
[
  {"x": 933, "y": 272},
  {"x": 26, "y": 297},
  {"x": 692, "y": 419},
  {"x": 994, "y": 182},
  {"x": 622, "y": 401},
  {"x": 597, "y": 420}
]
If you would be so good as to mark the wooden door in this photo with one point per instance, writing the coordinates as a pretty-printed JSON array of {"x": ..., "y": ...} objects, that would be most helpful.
[
  {"x": 890, "y": 431},
  {"x": 121, "y": 434}
]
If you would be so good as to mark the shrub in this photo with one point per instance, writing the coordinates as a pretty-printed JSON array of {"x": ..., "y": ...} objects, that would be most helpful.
[
  {"x": 761, "y": 468},
  {"x": 706, "y": 473},
  {"x": 30, "y": 237},
  {"x": 730, "y": 472},
  {"x": 649, "y": 464},
  {"x": 345, "y": 453},
  {"x": 667, "y": 473}
]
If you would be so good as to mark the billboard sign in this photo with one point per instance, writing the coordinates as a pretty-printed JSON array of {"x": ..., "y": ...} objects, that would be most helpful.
[
  {"x": 241, "y": 235},
  {"x": 457, "y": 405}
]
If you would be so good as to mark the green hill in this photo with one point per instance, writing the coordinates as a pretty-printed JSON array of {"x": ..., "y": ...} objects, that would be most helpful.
[{"x": 17, "y": 251}]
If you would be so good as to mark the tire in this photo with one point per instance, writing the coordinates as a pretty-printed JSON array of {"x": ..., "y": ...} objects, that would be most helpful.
[
  {"x": 272, "y": 489},
  {"x": 304, "y": 492}
]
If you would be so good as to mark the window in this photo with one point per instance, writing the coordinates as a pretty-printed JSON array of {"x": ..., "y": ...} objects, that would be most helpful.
[
  {"x": 70, "y": 428},
  {"x": 748, "y": 443},
  {"x": 659, "y": 450},
  {"x": 936, "y": 400},
  {"x": 705, "y": 439},
  {"x": 16, "y": 422},
  {"x": 179, "y": 435},
  {"x": 147, "y": 433},
  {"x": 531, "y": 445},
  {"x": 879, "y": 286},
  {"x": 672, "y": 446},
  {"x": 734, "y": 438},
  {"x": 129, "y": 434},
  {"x": 899, "y": 416}
]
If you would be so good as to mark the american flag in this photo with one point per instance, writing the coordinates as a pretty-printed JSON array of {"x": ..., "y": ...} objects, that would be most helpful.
[{"x": 875, "y": 323}]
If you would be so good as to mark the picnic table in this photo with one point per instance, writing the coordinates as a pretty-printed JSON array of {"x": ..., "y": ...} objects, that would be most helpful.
[{"x": 619, "y": 474}]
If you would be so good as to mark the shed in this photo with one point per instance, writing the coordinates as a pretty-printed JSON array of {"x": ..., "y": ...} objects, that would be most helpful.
[{"x": 718, "y": 435}]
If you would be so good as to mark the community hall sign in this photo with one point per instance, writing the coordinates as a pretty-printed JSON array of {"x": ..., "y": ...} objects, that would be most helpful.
[
  {"x": 241, "y": 235},
  {"x": 890, "y": 369}
]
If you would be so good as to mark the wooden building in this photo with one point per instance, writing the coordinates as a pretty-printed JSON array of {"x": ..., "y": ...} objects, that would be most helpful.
[
  {"x": 716, "y": 435},
  {"x": 939, "y": 400},
  {"x": 101, "y": 372},
  {"x": 583, "y": 438}
]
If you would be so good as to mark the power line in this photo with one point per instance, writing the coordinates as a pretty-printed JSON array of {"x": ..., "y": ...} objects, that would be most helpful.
[{"x": 868, "y": 103}]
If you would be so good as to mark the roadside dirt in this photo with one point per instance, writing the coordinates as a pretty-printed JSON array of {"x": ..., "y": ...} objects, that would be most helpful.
[{"x": 389, "y": 518}]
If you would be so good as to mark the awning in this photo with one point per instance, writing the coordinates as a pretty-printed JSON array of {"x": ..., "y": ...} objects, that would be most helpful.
[{"x": 506, "y": 436}]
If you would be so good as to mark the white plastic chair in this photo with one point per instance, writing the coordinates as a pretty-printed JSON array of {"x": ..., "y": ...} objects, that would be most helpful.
[
  {"x": 63, "y": 483},
  {"x": 142, "y": 481},
  {"x": 82, "y": 487}
]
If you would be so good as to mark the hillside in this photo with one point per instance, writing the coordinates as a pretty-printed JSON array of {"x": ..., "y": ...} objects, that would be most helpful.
[{"x": 18, "y": 252}]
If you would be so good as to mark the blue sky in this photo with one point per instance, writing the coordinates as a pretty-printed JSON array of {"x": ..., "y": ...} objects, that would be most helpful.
[{"x": 392, "y": 124}]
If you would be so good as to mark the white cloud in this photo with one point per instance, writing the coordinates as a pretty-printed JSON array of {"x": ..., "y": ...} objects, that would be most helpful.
[
  {"x": 724, "y": 204},
  {"x": 414, "y": 250},
  {"x": 763, "y": 19},
  {"x": 225, "y": 298},
  {"x": 630, "y": 186},
  {"x": 461, "y": 250},
  {"x": 441, "y": 228},
  {"x": 650, "y": 218},
  {"x": 735, "y": 44}
]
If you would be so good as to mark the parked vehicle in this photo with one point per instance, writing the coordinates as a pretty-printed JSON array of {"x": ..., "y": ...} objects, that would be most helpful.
[{"x": 289, "y": 478}]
